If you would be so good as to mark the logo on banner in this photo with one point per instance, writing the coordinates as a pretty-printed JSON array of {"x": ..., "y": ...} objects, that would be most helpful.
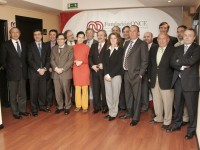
[{"x": 95, "y": 25}]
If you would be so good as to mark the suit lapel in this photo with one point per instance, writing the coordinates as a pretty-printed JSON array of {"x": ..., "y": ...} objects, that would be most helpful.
[
  {"x": 12, "y": 47},
  {"x": 189, "y": 49},
  {"x": 163, "y": 56},
  {"x": 135, "y": 46},
  {"x": 64, "y": 50}
]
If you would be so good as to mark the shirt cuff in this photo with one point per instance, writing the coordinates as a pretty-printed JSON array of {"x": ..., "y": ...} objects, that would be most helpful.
[
  {"x": 38, "y": 70},
  {"x": 108, "y": 76}
]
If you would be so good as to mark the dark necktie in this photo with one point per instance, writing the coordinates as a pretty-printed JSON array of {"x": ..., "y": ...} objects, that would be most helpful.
[
  {"x": 18, "y": 49},
  {"x": 125, "y": 64},
  {"x": 40, "y": 49},
  {"x": 100, "y": 47}
]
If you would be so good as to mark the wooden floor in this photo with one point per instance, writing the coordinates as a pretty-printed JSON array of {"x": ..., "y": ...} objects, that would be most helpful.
[{"x": 79, "y": 131}]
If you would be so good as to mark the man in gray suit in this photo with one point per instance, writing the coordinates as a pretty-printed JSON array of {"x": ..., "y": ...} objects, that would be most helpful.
[
  {"x": 135, "y": 63},
  {"x": 61, "y": 62}
]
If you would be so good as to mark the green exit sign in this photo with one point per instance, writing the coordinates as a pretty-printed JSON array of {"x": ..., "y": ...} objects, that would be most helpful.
[{"x": 72, "y": 5}]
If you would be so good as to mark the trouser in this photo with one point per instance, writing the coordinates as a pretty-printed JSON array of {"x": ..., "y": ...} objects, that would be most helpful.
[
  {"x": 17, "y": 90},
  {"x": 81, "y": 97}
]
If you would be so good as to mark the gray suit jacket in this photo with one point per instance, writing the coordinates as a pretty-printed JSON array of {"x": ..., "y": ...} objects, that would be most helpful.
[
  {"x": 63, "y": 60},
  {"x": 137, "y": 59}
]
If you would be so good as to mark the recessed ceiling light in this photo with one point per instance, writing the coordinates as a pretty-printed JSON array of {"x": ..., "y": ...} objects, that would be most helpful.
[{"x": 169, "y": 1}]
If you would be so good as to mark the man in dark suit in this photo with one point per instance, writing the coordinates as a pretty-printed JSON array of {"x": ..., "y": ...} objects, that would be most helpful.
[
  {"x": 185, "y": 62},
  {"x": 39, "y": 62},
  {"x": 164, "y": 28},
  {"x": 160, "y": 77},
  {"x": 14, "y": 60},
  {"x": 135, "y": 63},
  {"x": 62, "y": 61},
  {"x": 95, "y": 61},
  {"x": 89, "y": 41},
  {"x": 49, "y": 95}
]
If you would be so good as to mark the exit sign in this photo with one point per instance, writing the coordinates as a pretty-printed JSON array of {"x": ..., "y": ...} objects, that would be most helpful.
[{"x": 72, "y": 5}]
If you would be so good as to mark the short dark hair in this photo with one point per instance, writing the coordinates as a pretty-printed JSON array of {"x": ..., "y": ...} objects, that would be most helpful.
[
  {"x": 125, "y": 28},
  {"x": 80, "y": 32},
  {"x": 136, "y": 27},
  {"x": 60, "y": 34},
  {"x": 164, "y": 23},
  {"x": 53, "y": 30},
  {"x": 65, "y": 33},
  {"x": 117, "y": 27},
  {"x": 119, "y": 40},
  {"x": 191, "y": 29},
  {"x": 182, "y": 26},
  {"x": 37, "y": 30}
]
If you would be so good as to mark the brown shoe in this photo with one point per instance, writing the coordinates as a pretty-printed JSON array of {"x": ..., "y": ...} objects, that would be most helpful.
[
  {"x": 85, "y": 110},
  {"x": 77, "y": 109}
]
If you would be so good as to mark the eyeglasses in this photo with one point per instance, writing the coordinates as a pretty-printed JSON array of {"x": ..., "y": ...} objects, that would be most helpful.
[{"x": 60, "y": 39}]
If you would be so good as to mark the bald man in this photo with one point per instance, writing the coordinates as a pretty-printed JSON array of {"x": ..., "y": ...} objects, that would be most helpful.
[{"x": 160, "y": 78}]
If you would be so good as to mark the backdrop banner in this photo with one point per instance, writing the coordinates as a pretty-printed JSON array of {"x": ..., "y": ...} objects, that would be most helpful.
[{"x": 148, "y": 19}]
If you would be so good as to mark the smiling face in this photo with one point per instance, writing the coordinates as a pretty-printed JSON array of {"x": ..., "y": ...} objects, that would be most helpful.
[
  {"x": 188, "y": 37},
  {"x": 61, "y": 40},
  {"x": 163, "y": 40},
  {"x": 101, "y": 36},
  {"x": 148, "y": 37},
  {"x": 52, "y": 36},
  {"x": 164, "y": 28},
  {"x": 14, "y": 33},
  {"x": 70, "y": 36},
  {"x": 37, "y": 36},
  {"x": 126, "y": 33},
  {"x": 89, "y": 34},
  {"x": 134, "y": 32},
  {"x": 80, "y": 38}
]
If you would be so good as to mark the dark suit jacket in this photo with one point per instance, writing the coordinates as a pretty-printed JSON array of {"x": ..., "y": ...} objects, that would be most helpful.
[
  {"x": 164, "y": 71},
  {"x": 113, "y": 64},
  {"x": 63, "y": 60},
  {"x": 35, "y": 61},
  {"x": 172, "y": 41},
  {"x": 137, "y": 59},
  {"x": 94, "y": 41},
  {"x": 95, "y": 57},
  {"x": 189, "y": 76},
  {"x": 16, "y": 67}
]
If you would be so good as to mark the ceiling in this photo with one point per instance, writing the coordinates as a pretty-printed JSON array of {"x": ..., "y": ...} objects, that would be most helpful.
[{"x": 56, "y": 6}]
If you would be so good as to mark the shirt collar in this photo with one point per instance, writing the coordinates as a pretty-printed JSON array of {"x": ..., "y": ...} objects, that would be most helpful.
[
  {"x": 62, "y": 46},
  {"x": 102, "y": 44},
  {"x": 110, "y": 48},
  {"x": 163, "y": 47},
  {"x": 134, "y": 40},
  {"x": 14, "y": 41},
  {"x": 188, "y": 45},
  {"x": 38, "y": 42}
]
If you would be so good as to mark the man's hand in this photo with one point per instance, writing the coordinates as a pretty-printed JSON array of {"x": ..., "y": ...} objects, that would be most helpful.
[
  {"x": 50, "y": 70},
  {"x": 78, "y": 62},
  {"x": 107, "y": 77},
  {"x": 100, "y": 66},
  {"x": 42, "y": 71},
  {"x": 95, "y": 68}
]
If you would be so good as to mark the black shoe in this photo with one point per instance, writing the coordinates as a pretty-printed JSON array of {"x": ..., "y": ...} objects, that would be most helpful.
[
  {"x": 189, "y": 136},
  {"x": 172, "y": 129},
  {"x": 17, "y": 116},
  {"x": 1, "y": 126},
  {"x": 133, "y": 123},
  {"x": 153, "y": 121},
  {"x": 124, "y": 117},
  {"x": 96, "y": 111},
  {"x": 45, "y": 109},
  {"x": 107, "y": 117},
  {"x": 67, "y": 111},
  {"x": 111, "y": 118},
  {"x": 58, "y": 111},
  {"x": 184, "y": 123},
  {"x": 104, "y": 111},
  {"x": 25, "y": 113},
  {"x": 165, "y": 127},
  {"x": 34, "y": 114}
]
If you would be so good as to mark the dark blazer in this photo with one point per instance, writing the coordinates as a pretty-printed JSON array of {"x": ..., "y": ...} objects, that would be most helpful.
[
  {"x": 113, "y": 64},
  {"x": 189, "y": 76},
  {"x": 16, "y": 67},
  {"x": 164, "y": 70},
  {"x": 172, "y": 41},
  {"x": 95, "y": 57},
  {"x": 35, "y": 61},
  {"x": 137, "y": 59}
]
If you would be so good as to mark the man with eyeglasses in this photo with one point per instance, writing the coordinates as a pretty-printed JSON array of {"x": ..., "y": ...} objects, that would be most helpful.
[{"x": 61, "y": 62}]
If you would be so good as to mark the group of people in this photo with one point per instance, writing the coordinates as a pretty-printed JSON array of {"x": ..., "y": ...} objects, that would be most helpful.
[{"x": 124, "y": 74}]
